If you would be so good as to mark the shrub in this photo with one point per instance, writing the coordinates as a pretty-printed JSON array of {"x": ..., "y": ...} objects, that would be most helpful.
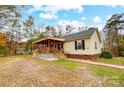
[
  {"x": 106, "y": 54},
  {"x": 121, "y": 53},
  {"x": 4, "y": 51}
]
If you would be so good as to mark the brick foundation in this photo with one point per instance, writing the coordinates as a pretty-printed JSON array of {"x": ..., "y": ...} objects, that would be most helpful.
[{"x": 89, "y": 57}]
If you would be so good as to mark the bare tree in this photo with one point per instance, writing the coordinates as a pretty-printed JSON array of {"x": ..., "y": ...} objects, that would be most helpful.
[{"x": 69, "y": 29}]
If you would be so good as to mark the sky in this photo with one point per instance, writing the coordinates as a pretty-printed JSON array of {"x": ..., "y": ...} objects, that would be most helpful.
[{"x": 76, "y": 15}]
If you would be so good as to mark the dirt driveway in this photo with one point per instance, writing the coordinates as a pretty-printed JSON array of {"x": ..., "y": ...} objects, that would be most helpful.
[{"x": 26, "y": 72}]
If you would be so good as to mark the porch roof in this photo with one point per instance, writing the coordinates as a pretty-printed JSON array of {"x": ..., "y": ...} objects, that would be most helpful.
[{"x": 56, "y": 39}]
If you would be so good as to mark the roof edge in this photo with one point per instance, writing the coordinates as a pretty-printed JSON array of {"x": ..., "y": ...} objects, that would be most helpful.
[{"x": 58, "y": 39}]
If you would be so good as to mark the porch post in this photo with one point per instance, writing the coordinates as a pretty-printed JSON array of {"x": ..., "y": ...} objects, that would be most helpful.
[
  {"x": 44, "y": 49},
  {"x": 54, "y": 44},
  {"x": 48, "y": 46}
]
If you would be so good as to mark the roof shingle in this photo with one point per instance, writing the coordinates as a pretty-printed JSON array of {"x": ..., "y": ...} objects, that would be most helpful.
[{"x": 80, "y": 35}]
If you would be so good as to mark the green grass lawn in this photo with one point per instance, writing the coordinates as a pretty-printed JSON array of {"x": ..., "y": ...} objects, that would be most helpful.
[
  {"x": 61, "y": 62},
  {"x": 117, "y": 61},
  {"x": 114, "y": 77},
  {"x": 67, "y": 64},
  {"x": 4, "y": 60},
  {"x": 11, "y": 59}
]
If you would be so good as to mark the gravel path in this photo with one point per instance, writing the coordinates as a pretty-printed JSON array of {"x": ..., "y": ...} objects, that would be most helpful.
[{"x": 25, "y": 72}]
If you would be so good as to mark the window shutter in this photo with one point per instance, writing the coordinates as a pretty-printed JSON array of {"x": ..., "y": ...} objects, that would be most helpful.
[
  {"x": 95, "y": 45},
  {"x": 83, "y": 44},
  {"x": 75, "y": 45}
]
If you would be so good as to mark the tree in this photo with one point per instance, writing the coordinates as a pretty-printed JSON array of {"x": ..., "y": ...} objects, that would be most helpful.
[
  {"x": 53, "y": 31},
  {"x": 50, "y": 31},
  {"x": 41, "y": 35},
  {"x": 29, "y": 29},
  {"x": 2, "y": 40},
  {"x": 5, "y": 12},
  {"x": 69, "y": 29},
  {"x": 82, "y": 28},
  {"x": 47, "y": 31},
  {"x": 15, "y": 30},
  {"x": 40, "y": 31},
  {"x": 121, "y": 45},
  {"x": 10, "y": 16},
  {"x": 60, "y": 31},
  {"x": 3, "y": 43},
  {"x": 111, "y": 31}
]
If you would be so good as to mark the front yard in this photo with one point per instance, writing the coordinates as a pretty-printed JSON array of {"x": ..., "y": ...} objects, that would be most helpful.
[{"x": 28, "y": 71}]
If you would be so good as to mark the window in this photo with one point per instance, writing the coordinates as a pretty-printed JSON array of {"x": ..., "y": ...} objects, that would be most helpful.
[
  {"x": 80, "y": 44},
  {"x": 95, "y": 45}
]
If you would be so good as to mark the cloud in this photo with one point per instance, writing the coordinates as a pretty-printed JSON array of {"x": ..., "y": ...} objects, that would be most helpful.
[
  {"x": 112, "y": 6},
  {"x": 74, "y": 23},
  {"x": 53, "y": 10},
  {"x": 108, "y": 16},
  {"x": 35, "y": 8},
  {"x": 97, "y": 19},
  {"x": 56, "y": 8},
  {"x": 122, "y": 5},
  {"x": 83, "y": 18},
  {"x": 48, "y": 16}
]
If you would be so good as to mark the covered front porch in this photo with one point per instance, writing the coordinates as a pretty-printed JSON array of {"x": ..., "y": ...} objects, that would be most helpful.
[{"x": 48, "y": 45}]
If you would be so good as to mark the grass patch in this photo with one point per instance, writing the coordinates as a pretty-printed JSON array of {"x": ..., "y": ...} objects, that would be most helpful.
[
  {"x": 11, "y": 59},
  {"x": 61, "y": 62},
  {"x": 23, "y": 56},
  {"x": 67, "y": 64},
  {"x": 4, "y": 60},
  {"x": 115, "y": 77},
  {"x": 117, "y": 61}
]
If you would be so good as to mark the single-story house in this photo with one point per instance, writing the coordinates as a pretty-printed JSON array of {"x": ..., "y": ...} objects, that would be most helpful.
[{"x": 84, "y": 44}]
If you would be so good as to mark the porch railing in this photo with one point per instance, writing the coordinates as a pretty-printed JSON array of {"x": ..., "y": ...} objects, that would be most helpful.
[{"x": 59, "y": 53}]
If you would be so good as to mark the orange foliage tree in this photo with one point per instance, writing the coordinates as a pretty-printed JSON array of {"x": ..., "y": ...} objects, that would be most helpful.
[{"x": 2, "y": 40}]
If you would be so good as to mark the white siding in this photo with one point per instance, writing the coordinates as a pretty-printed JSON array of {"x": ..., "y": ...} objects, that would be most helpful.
[
  {"x": 69, "y": 47},
  {"x": 94, "y": 39}
]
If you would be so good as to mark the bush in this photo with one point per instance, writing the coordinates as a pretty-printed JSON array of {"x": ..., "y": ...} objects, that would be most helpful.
[
  {"x": 106, "y": 54},
  {"x": 121, "y": 53},
  {"x": 4, "y": 51}
]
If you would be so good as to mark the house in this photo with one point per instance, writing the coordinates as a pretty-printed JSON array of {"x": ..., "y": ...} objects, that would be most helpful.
[
  {"x": 85, "y": 44},
  {"x": 21, "y": 48}
]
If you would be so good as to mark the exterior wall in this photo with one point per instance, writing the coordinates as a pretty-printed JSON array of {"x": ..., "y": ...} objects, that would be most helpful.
[
  {"x": 69, "y": 47},
  {"x": 94, "y": 38},
  {"x": 82, "y": 56}
]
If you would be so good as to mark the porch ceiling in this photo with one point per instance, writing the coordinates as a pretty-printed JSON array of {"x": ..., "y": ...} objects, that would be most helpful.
[{"x": 54, "y": 39}]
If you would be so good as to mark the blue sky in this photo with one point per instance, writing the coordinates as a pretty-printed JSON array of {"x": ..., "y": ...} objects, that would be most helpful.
[{"x": 86, "y": 15}]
